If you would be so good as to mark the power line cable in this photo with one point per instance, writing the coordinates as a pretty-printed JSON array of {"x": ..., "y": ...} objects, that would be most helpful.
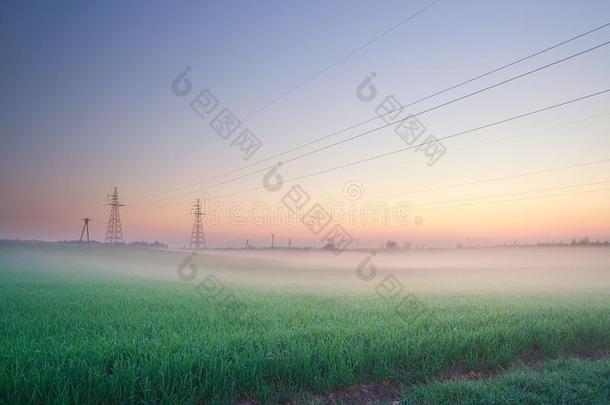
[
  {"x": 521, "y": 199},
  {"x": 308, "y": 80},
  {"x": 516, "y": 117},
  {"x": 486, "y": 180},
  {"x": 457, "y": 185},
  {"x": 494, "y": 179},
  {"x": 425, "y": 205},
  {"x": 309, "y": 153},
  {"x": 539, "y": 190},
  {"x": 447, "y": 103},
  {"x": 400, "y": 150},
  {"x": 341, "y": 60},
  {"x": 294, "y": 149}
]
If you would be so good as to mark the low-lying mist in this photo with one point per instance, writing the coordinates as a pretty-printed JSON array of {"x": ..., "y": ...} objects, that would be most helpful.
[{"x": 543, "y": 269}]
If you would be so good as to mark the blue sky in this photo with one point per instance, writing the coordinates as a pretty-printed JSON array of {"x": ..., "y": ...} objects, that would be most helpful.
[{"x": 87, "y": 102}]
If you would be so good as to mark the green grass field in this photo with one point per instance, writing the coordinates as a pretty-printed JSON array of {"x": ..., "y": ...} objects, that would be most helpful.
[
  {"x": 84, "y": 339},
  {"x": 564, "y": 381}
]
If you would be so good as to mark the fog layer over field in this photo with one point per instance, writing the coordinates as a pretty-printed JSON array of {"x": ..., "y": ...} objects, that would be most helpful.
[{"x": 565, "y": 269}]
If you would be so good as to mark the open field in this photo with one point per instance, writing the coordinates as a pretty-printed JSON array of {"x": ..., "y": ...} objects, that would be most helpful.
[
  {"x": 303, "y": 203},
  {"x": 104, "y": 325},
  {"x": 559, "y": 381}
]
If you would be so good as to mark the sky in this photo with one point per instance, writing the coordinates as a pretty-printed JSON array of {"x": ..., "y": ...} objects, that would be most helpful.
[{"x": 88, "y": 104}]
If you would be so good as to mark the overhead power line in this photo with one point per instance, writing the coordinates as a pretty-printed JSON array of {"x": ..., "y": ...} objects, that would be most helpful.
[
  {"x": 516, "y": 117},
  {"x": 432, "y": 206},
  {"x": 400, "y": 150},
  {"x": 320, "y": 73},
  {"x": 303, "y": 155},
  {"x": 494, "y": 179},
  {"x": 522, "y": 199},
  {"x": 448, "y": 186},
  {"x": 341, "y": 60},
  {"x": 486, "y": 197},
  {"x": 423, "y": 190},
  {"x": 345, "y": 129},
  {"x": 359, "y": 135},
  {"x": 446, "y": 103},
  {"x": 583, "y": 164}
]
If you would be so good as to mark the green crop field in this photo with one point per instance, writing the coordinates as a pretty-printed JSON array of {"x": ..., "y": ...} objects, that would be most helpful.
[
  {"x": 72, "y": 337},
  {"x": 564, "y": 381}
]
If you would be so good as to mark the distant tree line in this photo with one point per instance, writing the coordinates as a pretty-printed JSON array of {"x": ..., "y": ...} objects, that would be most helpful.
[{"x": 152, "y": 245}]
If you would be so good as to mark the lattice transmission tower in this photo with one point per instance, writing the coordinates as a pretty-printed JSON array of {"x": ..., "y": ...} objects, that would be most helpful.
[
  {"x": 114, "y": 231},
  {"x": 197, "y": 235}
]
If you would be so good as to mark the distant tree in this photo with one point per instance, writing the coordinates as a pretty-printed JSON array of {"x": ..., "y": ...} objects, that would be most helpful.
[
  {"x": 141, "y": 243},
  {"x": 391, "y": 245},
  {"x": 329, "y": 246}
]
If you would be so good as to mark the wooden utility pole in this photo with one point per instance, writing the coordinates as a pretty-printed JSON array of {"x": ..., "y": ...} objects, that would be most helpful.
[{"x": 85, "y": 227}]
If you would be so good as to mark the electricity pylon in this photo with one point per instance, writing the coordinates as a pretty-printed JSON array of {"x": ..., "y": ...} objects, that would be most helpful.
[
  {"x": 197, "y": 236},
  {"x": 85, "y": 227},
  {"x": 114, "y": 231}
]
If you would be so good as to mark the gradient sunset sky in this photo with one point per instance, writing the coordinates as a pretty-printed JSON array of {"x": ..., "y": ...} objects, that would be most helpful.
[{"x": 87, "y": 105}]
